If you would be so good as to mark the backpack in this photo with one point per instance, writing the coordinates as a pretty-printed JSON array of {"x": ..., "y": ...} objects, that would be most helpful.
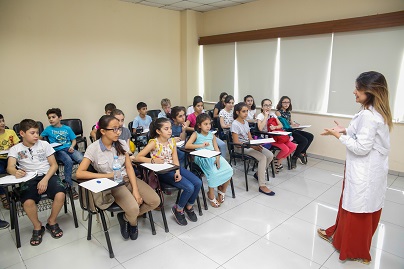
[{"x": 278, "y": 138}]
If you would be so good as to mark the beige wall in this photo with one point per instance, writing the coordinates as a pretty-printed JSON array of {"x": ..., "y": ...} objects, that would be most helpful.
[
  {"x": 79, "y": 55},
  {"x": 275, "y": 13}
]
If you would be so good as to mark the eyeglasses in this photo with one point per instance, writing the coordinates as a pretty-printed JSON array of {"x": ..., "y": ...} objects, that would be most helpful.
[
  {"x": 285, "y": 102},
  {"x": 115, "y": 130},
  {"x": 266, "y": 105}
]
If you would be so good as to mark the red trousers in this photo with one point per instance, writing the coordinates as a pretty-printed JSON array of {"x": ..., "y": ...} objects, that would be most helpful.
[{"x": 352, "y": 232}]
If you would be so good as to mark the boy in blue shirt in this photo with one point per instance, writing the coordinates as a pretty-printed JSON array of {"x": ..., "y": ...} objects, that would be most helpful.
[
  {"x": 143, "y": 120},
  {"x": 65, "y": 153}
]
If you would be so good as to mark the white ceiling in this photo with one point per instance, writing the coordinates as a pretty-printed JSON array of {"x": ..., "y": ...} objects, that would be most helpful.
[{"x": 196, "y": 5}]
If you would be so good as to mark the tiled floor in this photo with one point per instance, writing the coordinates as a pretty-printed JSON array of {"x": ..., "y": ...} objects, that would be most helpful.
[{"x": 250, "y": 231}]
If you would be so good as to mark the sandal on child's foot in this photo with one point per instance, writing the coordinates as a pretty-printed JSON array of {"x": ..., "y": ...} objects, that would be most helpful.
[
  {"x": 5, "y": 203},
  {"x": 222, "y": 196},
  {"x": 37, "y": 235},
  {"x": 54, "y": 230},
  {"x": 213, "y": 202}
]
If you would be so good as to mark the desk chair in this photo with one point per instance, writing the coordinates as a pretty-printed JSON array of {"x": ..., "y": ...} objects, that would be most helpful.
[
  {"x": 244, "y": 157},
  {"x": 16, "y": 129},
  {"x": 77, "y": 127},
  {"x": 17, "y": 210},
  {"x": 135, "y": 135},
  {"x": 87, "y": 204},
  {"x": 153, "y": 113}
]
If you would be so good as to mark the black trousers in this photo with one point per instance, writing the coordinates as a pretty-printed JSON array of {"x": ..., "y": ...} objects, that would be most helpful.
[{"x": 303, "y": 139}]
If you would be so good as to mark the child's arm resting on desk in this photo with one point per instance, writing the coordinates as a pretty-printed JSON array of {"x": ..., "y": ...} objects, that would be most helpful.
[
  {"x": 190, "y": 143},
  {"x": 12, "y": 168},
  {"x": 141, "y": 156}
]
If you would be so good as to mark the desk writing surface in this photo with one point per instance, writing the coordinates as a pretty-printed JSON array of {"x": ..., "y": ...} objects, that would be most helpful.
[
  {"x": 261, "y": 141},
  {"x": 98, "y": 184},
  {"x": 300, "y": 127},
  {"x": 13, "y": 180},
  {"x": 205, "y": 153},
  {"x": 3, "y": 152},
  {"x": 157, "y": 166}
]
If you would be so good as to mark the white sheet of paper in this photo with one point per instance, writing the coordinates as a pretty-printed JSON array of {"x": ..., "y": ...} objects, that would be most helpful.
[
  {"x": 279, "y": 133},
  {"x": 3, "y": 152},
  {"x": 214, "y": 132},
  {"x": 262, "y": 141},
  {"x": 180, "y": 144},
  {"x": 145, "y": 131},
  {"x": 157, "y": 166},
  {"x": 205, "y": 153},
  {"x": 13, "y": 180},
  {"x": 301, "y": 127},
  {"x": 98, "y": 184},
  {"x": 53, "y": 145}
]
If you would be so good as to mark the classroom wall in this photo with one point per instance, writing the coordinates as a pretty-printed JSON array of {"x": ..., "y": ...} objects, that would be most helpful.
[
  {"x": 275, "y": 13},
  {"x": 79, "y": 55}
]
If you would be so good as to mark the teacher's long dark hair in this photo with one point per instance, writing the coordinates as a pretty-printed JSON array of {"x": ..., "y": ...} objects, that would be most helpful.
[{"x": 103, "y": 123}]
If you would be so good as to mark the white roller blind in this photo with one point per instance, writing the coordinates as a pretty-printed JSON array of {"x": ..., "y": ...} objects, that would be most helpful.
[
  {"x": 304, "y": 65},
  {"x": 378, "y": 50},
  {"x": 218, "y": 61},
  {"x": 256, "y": 69}
]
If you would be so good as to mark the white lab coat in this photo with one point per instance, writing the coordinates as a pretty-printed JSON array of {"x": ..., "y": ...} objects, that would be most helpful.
[{"x": 368, "y": 144}]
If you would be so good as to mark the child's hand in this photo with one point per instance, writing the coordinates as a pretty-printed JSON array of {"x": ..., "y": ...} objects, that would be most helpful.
[
  {"x": 217, "y": 162},
  {"x": 272, "y": 127},
  {"x": 71, "y": 150},
  {"x": 158, "y": 160},
  {"x": 42, "y": 186},
  {"x": 20, "y": 173},
  {"x": 177, "y": 139},
  {"x": 177, "y": 176},
  {"x": 205, "y": 144}
]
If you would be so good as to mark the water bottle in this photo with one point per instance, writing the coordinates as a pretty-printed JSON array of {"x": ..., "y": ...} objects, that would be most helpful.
[{"x": 116, "y": 167}]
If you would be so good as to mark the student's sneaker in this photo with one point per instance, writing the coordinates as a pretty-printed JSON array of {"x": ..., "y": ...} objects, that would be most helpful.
[
  {"x": 179, "y": 216},
  {"x": 4, "y": 224},
  {"x": 191, "y": 214},
  {"x": 302, "y": 159}
]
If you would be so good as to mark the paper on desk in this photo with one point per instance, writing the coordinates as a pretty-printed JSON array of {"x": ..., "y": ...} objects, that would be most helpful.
[
  {"x": 3, "y": 152},
  {"x": 262, "y": 141},
  {"x": 300, "y": 126},
  {"x": 98, "y": 184},
  {"x": 279, "y": 133},
  {"x": 145, "y": 131},
  {"x": 205, "y": 153},
  {"x": 180, "y": 143},
  {"x": 13, "y": 180},
  {"x": 54, "y": 145},
  {"x": 214, "y": 132},
  {"x": 157, "y": 166}
]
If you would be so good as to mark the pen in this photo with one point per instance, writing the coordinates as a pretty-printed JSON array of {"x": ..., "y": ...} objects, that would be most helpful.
[{"x": 19, "y": 168}]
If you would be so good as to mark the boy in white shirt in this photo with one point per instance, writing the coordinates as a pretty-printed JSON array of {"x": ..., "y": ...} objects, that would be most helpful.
[{"x": 37, "y": 155}]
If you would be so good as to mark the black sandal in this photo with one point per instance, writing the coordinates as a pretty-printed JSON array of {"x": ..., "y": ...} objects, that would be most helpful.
[
  {"x": 37, "y": 235},
  {"x": 54, "y": 230}
]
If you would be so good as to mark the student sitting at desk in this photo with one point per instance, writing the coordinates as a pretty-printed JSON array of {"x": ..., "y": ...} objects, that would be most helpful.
[
  {"x": 135, "y": 197},
  {"x": 8, "y": 138},
  {"x": 163, "y": 149},
  {"x": 142, "y": 120},
  {"x": 65, "y": 153},
  {"x": 216, "y": 169},
  {"x": 37, "y": 155},
  {"x": 178, "y": 127},
  {"x": 226, "y": 116},
  {"x": 249, "y": 101}
]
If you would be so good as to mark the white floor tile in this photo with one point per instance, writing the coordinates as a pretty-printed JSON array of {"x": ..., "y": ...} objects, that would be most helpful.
[
  {"x": 285, "y": 201},
  {"x": 323, "y": 176},
  {"x": 330, "y": 166},
  {"x": 19, "y": 265},
  {"x": 304, "y": 186},
  {"x": 318, "y": 213},
  {"x": 301, "y": 237},
  {"x": 389, "y": 238},
  {"x": 9, "y": 254},
  {"x": 171, "y": 255},
  {"x": 390, "y": 213},
  {"x": 395, "y": 195},
  {"x": 219, "y": 239},
  {"x": 266, "y": 254},
  {"x": 332, "y": 195},
  {"x": 255, "y": 217}
]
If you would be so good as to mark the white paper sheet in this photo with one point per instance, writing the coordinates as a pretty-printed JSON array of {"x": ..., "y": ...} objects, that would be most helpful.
[
  {"x": 279, "y": 133},
  {"x": 54, "y": 145},
  {"x": 262, "y": 141},
  {"x": 3, "y": 152},
  {"x": 145, "y": 131},
  {"x": 13, "y": 180},
  {"x": 301, "y": 126},
  {"x": 214, "y": 132},
  {"x": 98, "y": 184},
  {"x": 157, "y": 166},
  {"x": 180, "y": 144},
  {"x": 205, "y": 153}
]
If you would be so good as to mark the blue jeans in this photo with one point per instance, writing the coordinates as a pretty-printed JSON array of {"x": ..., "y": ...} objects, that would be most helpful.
[
  {"x": 222, "y": 147},
  {"x": 68, "y": 159},
  {"x": 181, "y": 157},
  {"x": 189, "y": 184}
]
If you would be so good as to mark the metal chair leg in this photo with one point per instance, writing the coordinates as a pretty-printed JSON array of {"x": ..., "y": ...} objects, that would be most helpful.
[
  {"x": 205, "y": 204},
  {"x": 199, "y": 206},
  {"x": 163, "y": 214},
  {"x": 152, "y": 223},
  {"x": 106, "y": 233},
  {"x": 232, "y": 188},
  {"x": 245, "y": 175},
  {"x": 76, "y": 223}
]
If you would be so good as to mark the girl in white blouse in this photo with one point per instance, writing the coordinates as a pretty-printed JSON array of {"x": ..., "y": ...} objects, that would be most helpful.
[{"x": 367, "y": 141}]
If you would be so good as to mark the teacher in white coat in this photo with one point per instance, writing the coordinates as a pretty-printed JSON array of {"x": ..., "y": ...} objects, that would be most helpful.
[{"x": 367, "y": 141}]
